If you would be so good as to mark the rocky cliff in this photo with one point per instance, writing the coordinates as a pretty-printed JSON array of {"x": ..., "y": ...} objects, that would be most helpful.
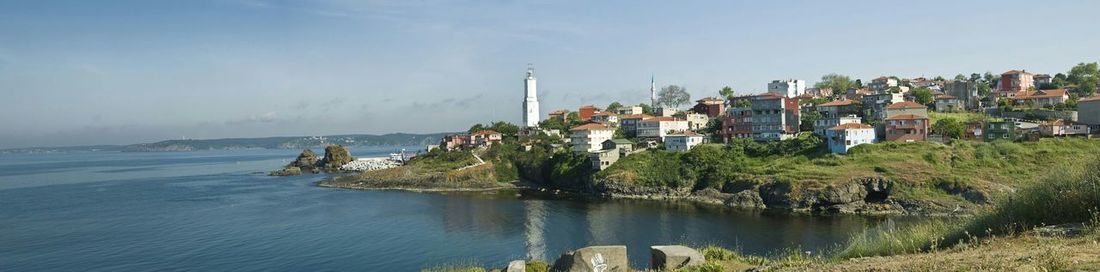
[{"x": 309, "y": 162}]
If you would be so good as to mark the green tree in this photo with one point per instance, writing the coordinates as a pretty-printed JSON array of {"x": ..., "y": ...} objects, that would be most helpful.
[
  {"x": 714, "y": 129},
  {"x": 949, "y": 127},
  {"x": 476, "y": 128},
  {"x": 1059, "y": 80},
  {"x": 808, "y": 119},
  {"x": 838, "y": 83},
  {"x": 938, "y": 78},
  {"x": 613, "y": 107},
  {"x": 1086, "y": 76},
  {"x": 646, "y": 108},
  {"x": 923, "y": 96},
  {"x": 726, "y": 92},
  {"x": 743, "y": 104},
  {"x": 508, "y": 129},
  {"x": 960, "y": 77},
  {"x": 673, "y": 96},
  {"x": 984, "y": 89}
]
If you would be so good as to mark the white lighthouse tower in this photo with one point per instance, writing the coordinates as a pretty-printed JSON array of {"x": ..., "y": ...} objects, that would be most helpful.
[{"x": 531, "y": 103}]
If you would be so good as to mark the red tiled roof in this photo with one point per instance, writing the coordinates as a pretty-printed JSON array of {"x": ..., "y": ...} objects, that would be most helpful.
[
  {"x": 1041, "y": 94},
  {"x": 1062, "y": 122},
  {"x": 843, "y": 102},
  {"x": 588, "y": 107},
  {"x": 945, "y": 96},
  {"x": 906, "y": 117},
  {"x": 850, "y": 126},
  {"x": 484, "y": 132},
  {"x": 906, "y": 105},
  {"x": 661, "y": 119},
  {"x": 559, "y": 112},
  {"x": 1015, "y": 72},
  {"x": 1090, "y": 98},
  {"x": 709, "y": 98},
  {"x": 590, "y": 126},
  {"x": 636, "y": 116}
]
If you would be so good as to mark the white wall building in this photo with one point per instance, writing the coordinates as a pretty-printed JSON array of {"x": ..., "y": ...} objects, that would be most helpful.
[
  {"x": 659, "y": 127},
  {"x": 531, "y": 102},
  {"x": 682, "y": 141},
  {"x": 697, "y": 121},
  {"x": 605, "y": 117},
  {"x": 790, "y": 88},
  {"x": 821, "y": 126},
  {"x": 589, "y": 137},
  {"x": 843, "y": 137}
]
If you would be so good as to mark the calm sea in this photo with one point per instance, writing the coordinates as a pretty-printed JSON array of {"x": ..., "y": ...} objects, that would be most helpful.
[{"x": 218, "y": 211}]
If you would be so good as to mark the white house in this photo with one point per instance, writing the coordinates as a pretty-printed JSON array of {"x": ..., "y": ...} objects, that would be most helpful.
[
  {"x": 697, "y": 121},
  {"x": 682, "y": 141},
  {"x": 1062, "y": 127},
  {"x": 841, "y": 138},
  {"x": 589, "y": 137},
  {"x": 824, "y": 124},
  {"x": 605, "y": 117},
  {"x": 630, "y": 110},
  {"x": 659, "y": 127},
  {"x": 790, "y": 88}
]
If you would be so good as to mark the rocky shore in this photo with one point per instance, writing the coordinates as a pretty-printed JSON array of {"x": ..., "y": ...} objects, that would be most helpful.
[
  {"x": 864, "y": 196},
  {"x": 868, "y": 196}
]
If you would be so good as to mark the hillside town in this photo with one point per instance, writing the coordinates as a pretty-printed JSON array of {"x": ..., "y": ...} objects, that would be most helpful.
[{"x": 1016, "y": 105}]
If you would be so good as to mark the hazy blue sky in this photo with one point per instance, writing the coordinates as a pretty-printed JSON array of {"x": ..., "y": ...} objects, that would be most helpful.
[{"x": 114, "y": 72}]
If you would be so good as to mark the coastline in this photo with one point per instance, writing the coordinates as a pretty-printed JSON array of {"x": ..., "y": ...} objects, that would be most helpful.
[{"x": 704, "y": 197}]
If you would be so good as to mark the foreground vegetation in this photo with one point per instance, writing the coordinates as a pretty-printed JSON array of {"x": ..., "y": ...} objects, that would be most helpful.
[
  {"x": 1067, "y": 194},
  {"x": 1000, "y": 238}
]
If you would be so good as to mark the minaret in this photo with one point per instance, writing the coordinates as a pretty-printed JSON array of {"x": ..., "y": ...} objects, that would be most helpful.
[
  {"x": 531, "y": 103},
  {"x": 652, "y": 92}
]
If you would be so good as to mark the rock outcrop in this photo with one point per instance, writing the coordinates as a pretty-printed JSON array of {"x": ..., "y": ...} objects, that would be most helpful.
[
  {"x": 516, "y": 266},
  {"x": 288, "y": 171},
  {"x": 593, "y": 258},
  {"x": 668, "y": 258},
  {"x": 307, "y": 161},
  {"x": 335, "y": 157}
]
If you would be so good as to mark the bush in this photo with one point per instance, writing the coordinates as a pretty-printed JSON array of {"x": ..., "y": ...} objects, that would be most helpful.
[{"x": 537, "y": 266}]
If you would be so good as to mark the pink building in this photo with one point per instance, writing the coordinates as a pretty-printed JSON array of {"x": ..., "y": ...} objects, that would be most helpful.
[{"x": 1013, "y": 82}]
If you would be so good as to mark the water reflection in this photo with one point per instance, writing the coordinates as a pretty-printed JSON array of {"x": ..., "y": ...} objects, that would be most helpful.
[{"x": 545, "y": 228}]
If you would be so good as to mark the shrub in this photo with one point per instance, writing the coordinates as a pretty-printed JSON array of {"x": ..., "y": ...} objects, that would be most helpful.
[{"x": 537, "y": 266}]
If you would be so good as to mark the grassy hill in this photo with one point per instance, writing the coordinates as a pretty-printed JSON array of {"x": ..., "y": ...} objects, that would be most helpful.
[{"x": 920, "y": 170}]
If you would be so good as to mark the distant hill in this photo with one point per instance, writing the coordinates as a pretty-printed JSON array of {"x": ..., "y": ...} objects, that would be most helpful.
[
  {"x": 360, "y": 140},
  {"x": 395, "y": 139}
]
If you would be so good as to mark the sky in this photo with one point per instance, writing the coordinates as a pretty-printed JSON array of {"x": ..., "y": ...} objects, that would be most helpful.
[{"x": 122, "y": 72}]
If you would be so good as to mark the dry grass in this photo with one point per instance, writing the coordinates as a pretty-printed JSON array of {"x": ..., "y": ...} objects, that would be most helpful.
[{"x": 1020, "y": 253}]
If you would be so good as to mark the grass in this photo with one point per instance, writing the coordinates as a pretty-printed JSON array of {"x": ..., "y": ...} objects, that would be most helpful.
[
  {"x": 1066, "y": 194},
  {"x": 961, "y": 116}
]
